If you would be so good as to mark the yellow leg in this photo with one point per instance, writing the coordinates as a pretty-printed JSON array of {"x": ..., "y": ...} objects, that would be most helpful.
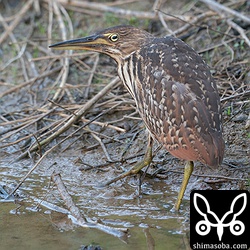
[
  {"x": 187, "y": 173},
  {"x": 137, "y": 167}
]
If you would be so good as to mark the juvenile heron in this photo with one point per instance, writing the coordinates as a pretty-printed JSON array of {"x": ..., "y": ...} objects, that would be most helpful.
[{"x": 173, "y": 89}]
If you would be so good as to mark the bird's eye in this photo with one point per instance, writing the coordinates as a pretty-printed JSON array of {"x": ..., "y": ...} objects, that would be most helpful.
[{"x": 113, "y": 37}]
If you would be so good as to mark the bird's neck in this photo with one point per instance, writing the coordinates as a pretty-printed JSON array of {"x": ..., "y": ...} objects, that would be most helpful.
[{"x": 124, "y": 72}]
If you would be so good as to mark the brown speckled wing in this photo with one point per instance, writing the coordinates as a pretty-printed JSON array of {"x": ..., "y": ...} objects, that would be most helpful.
[{"x": 178, "y": 100}]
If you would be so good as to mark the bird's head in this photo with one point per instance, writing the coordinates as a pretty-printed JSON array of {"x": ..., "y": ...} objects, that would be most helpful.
[{"x": 118, "y": 42}]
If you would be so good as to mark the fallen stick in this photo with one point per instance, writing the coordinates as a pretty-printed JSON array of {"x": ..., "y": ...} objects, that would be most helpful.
[
  {"x": 217, "y": 7},
  {"x": 80, "y": 219}
]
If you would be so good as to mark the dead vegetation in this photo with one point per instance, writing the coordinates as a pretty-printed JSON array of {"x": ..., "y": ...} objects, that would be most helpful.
[{"x": 52, "y": 101}]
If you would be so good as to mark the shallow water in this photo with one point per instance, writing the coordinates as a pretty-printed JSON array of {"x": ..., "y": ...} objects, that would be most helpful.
[
  {"x": 32, "y": 230},
  {"x": 149, "y": 218}
]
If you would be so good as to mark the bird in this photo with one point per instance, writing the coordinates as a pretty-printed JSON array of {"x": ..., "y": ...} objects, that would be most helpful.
[{"x": 174, "y": 92}]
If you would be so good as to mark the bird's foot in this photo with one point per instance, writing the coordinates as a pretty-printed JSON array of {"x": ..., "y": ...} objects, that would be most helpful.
[
  {"x": 187, "y": 173},
  {"x": 136, "y": 168}
]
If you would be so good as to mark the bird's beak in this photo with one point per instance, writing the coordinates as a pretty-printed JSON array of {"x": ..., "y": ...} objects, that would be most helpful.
[{"x": 92, "y": 42}]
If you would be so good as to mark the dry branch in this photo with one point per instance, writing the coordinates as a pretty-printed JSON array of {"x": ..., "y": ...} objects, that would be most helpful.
[
  {"x": 19, "y": 50},
  {"x": 19, "y": 17},
  {"x": 81, "y": 219},
  {"x": 26, "y": 124},
  {"x": 65, "y": 63},
  {"x": 67, "y": 199},
  {"x": 240, "y": 30},
  {"x": 194, "y": 22},
  {"x": 86, "y": 93},
  {"x": 219, "y": 8},
  {"x": 22, "y": 85},
  {"x": 117, "y": 11}
]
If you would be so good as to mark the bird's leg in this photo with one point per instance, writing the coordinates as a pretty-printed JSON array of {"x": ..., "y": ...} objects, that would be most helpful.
[
  {"x": 138, "y": 166},
  {"x": 187, "y": 173}
]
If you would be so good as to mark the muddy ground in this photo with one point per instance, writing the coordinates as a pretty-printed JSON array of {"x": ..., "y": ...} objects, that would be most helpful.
[{"x": 41, "y": 89}]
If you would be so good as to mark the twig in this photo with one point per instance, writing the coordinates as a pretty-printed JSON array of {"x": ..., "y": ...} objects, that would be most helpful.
[
  {"x": 74, "y": 117},
  {"x": 86, "y": 93},
  {"x": 32, "y": 169},
  {"x": 18, "y": 121},
  {"x": 32, "y": 64},
  {"x": 67, "y": 199},
  {"x": 117, "y": 11},
  {"x": 65, "y": 62},
  {"x": 42, "y": 157},
  {"x": 102, "y": 124},
  {"x": 19, "y": 50},
  {"x": 19, "y": 55},
  {"x": 150, "y": 239},
  {"x": 190, "y": 23},
  {"x": 81, "y": 219},
  {"x": 25, "y": 125},
  {"x": 96, "y": 134},
  {"x": 53, "y": 56},
  {"x": 121, "y": 130},
  {"x": 196, "y": 19},
  {"x": 164, "y": 24},
  {"x": 216, "y": 45},
  {"x": 47, "y": 73},
  {"x": 51, "y": 206},
  {"x": 240, "y": 30},
  {"x": 37, "y": 7},
  {"x": 13, "y": 25},
  {"x": 102, "y": 145},
  {"x": 217, "y": 7},
  {"x": 245, "y": 93}
]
